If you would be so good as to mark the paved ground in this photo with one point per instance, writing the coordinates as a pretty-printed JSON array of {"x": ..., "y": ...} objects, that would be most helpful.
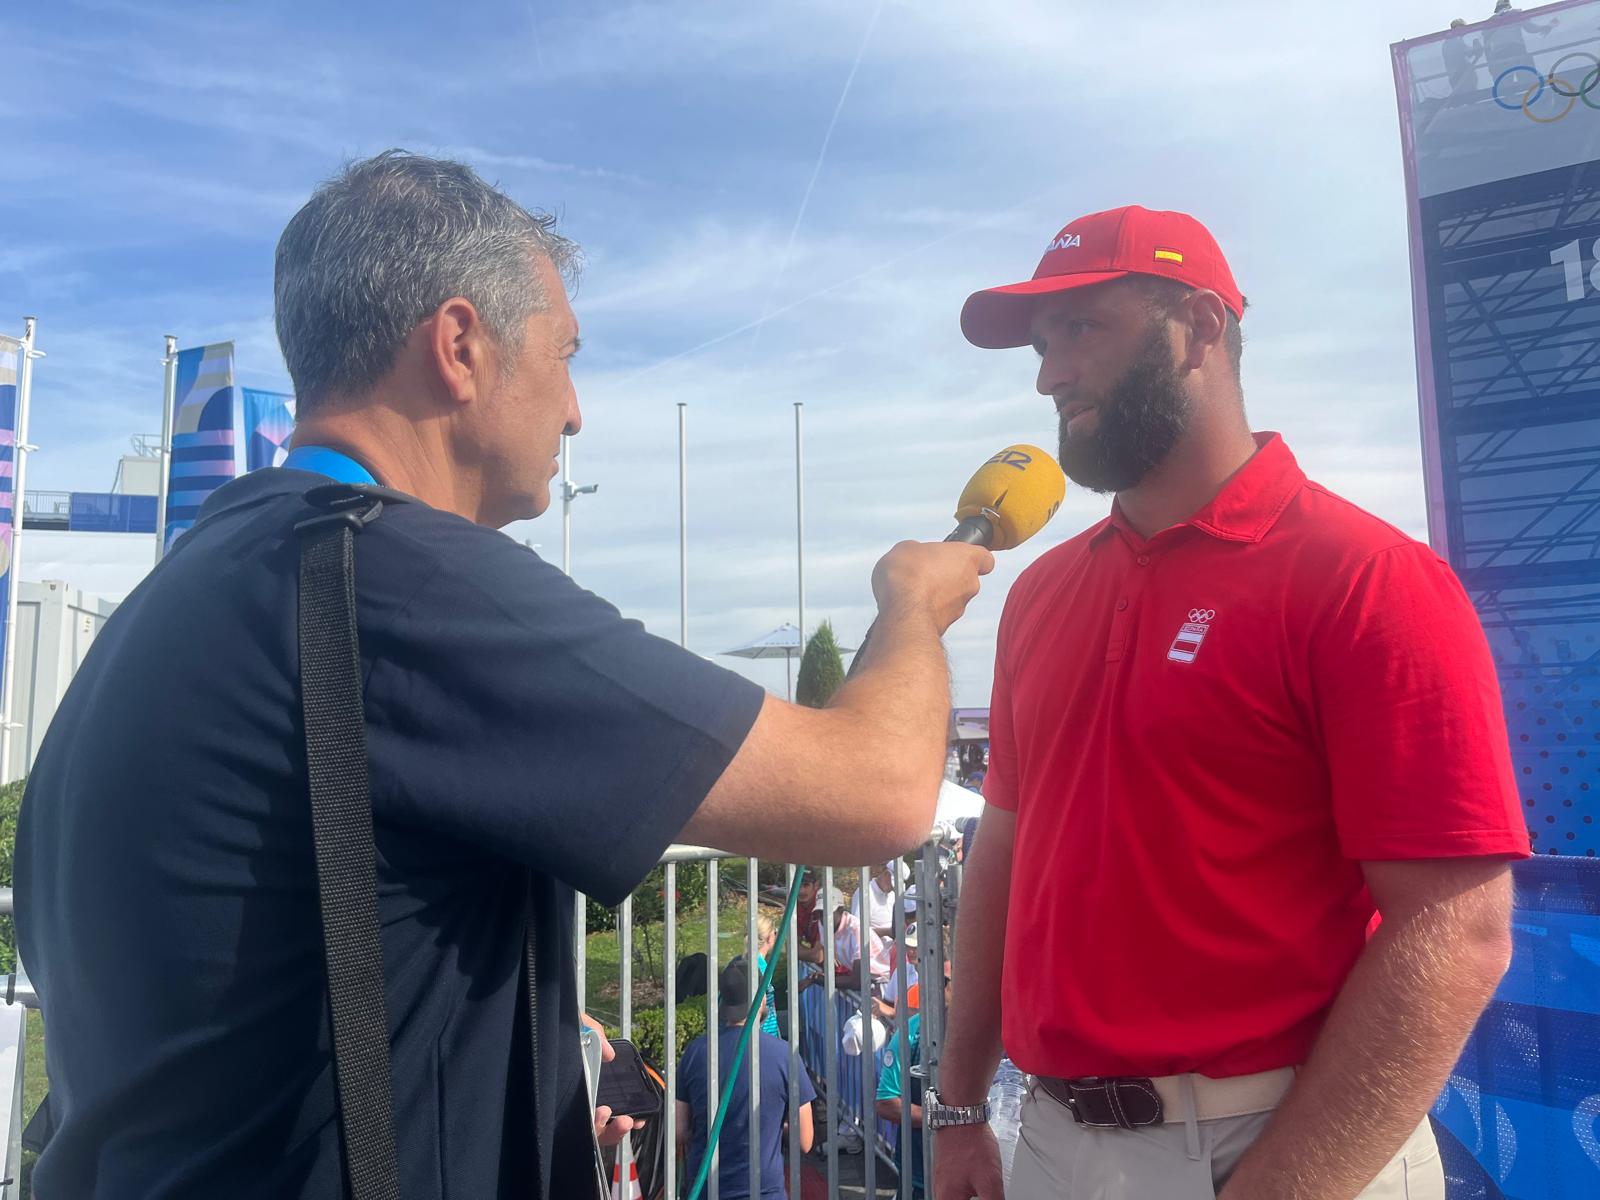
[{"x": 852, "y": 1178}]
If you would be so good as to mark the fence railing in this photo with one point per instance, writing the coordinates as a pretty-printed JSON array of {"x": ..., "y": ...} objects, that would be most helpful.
[{"x": 815, "y": 1013}]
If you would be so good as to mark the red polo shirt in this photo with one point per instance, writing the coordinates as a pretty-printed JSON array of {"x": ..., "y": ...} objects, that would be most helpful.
[{"x": 1202, "y": 736}]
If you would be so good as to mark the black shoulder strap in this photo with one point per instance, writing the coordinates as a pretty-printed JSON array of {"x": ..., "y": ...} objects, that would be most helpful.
[{"x": 341, "y": 815}]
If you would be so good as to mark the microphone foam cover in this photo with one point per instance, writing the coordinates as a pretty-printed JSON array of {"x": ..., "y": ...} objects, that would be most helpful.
[{"x": 1018, "y": 489}]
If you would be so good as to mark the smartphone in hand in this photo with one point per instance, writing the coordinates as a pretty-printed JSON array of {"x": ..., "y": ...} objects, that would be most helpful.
[{"x": 625, "y": 1086}]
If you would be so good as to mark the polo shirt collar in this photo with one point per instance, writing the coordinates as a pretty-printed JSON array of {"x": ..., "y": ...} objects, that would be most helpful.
[{"x": 1248, "y": 505}]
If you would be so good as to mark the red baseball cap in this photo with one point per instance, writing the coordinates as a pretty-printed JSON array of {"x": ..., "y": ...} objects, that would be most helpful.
[{"x": 1096, "y": 249}]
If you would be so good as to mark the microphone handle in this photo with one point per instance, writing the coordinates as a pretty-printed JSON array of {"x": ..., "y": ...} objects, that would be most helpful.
[{"x": 976, "y": 531}]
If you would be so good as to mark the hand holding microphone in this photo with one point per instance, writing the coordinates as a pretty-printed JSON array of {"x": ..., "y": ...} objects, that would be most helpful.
[
  {"x": 1006, "y": 502},
  {"x": 930, "y": 579}
]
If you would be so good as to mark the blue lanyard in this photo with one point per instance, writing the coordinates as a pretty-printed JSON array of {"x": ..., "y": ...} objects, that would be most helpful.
[{"x": 320, "y": 460}]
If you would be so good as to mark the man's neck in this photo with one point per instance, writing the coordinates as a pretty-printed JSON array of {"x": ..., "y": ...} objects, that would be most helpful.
[
  {"x": 1187, "y": 479},
  {"x": 396, "y": 455}
]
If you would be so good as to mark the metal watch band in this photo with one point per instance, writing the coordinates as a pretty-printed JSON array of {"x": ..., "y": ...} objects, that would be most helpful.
[{"x": 938, "y": 1115}]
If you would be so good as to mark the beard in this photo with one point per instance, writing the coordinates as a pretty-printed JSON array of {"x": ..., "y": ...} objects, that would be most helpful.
[{"x": 1141, "y": 417}]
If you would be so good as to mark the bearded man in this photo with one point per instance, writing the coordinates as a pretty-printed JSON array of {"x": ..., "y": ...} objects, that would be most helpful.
[{"x": 1231, "y": 723}]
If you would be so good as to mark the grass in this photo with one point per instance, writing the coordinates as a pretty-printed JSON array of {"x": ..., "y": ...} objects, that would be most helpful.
[
  {"x": 604, "y": 989},
  {"x": 34, "y": 1086}
]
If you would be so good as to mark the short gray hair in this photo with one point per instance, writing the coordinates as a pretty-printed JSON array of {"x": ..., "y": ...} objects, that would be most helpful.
[{"x": 381, "y": 245}]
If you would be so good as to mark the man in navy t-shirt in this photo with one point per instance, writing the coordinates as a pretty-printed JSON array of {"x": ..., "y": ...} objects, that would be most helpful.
[
  {"x": 733, "y": 1145},
  {"x": 523, "y": 740}
]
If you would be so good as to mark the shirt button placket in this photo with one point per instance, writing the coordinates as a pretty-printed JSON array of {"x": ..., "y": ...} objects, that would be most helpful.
[{"x": 1123, "y": 618}]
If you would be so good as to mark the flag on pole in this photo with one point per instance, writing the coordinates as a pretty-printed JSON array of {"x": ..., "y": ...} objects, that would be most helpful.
[
  {"x": 268, "y": 422},
  {"x": 10, "y": 367},
  {"x": 202, "y": 434}
]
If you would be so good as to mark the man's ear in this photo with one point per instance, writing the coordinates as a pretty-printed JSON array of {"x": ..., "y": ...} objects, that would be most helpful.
[
  {"x": 1206, "y": 318},
  {"x": 460, "y": 349}
]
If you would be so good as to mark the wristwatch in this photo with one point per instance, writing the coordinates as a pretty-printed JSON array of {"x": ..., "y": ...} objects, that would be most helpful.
[{"x": 940, "y": 1116}]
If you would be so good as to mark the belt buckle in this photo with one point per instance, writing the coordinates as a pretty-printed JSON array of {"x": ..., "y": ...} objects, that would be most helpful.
[
  {"x": 1087, "y": 1084},
  {"x": 1109, "y": 1087}
]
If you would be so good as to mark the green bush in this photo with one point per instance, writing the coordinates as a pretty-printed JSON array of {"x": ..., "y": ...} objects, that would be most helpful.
[
  {"x": 10, "y": 806},
  {"x": 650, "y": 1025}
]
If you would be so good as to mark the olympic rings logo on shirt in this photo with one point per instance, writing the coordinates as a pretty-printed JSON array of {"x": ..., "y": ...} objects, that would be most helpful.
[
  {"x": 1556, "y": 82},
  {"x": 1202, "y": 614}
]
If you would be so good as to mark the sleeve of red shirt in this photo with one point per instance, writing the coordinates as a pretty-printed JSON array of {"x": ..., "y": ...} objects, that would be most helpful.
[
  {"x": 1000, "y": 781},
  {"x": 1410, "y": 714}
]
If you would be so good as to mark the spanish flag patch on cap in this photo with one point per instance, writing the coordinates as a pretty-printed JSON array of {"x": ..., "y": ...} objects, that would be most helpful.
[{"x": 1164, "y": 254}]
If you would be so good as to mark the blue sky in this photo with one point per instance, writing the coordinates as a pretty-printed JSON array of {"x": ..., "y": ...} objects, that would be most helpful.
[{"x": 155, "y": 153}]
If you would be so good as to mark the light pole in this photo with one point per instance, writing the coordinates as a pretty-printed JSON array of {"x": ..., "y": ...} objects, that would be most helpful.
[
  {"x": 568, "y": 494},
  {"x": 683, "y": 526},
  {"x": 800, "y": 515},
  {"x": 20, "y": 451},
  {"x": 169, "y": 393}
]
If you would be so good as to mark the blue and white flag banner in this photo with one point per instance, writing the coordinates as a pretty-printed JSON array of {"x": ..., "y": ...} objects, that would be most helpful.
[
  {"x": 1500, "y": 129},
  {"x": 268, "y": 422},
  {"x": 202, "y": 434},
  {"x": 11, "y": 351}
]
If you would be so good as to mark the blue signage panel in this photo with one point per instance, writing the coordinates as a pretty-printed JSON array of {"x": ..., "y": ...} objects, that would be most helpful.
[{"x": 1500, "y": 123}]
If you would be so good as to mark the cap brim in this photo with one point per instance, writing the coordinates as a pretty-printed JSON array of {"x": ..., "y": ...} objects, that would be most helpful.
[{"x": 998, "y": 318}]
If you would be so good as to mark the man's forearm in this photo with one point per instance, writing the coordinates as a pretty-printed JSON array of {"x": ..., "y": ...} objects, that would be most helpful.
[
  {"x": 902, "y": 687},
  {"x": 1389, "y": 1043},
  {"x": 867, "y": 784},
  {"x": 972, "y": 1045}
]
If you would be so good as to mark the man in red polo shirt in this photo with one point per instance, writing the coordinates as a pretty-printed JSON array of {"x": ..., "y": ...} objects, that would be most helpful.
[{"x": 1230, "y": 722}]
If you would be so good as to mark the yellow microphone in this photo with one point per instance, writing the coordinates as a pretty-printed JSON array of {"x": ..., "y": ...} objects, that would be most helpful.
[
  {"x": 1003, "y": 505},
  {"x": 1009, "y": 499}
]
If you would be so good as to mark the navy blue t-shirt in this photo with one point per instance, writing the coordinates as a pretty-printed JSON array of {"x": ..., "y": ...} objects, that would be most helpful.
[
  {"x": 166, "y": 890},
  {"x": 733, "y": 1158}
]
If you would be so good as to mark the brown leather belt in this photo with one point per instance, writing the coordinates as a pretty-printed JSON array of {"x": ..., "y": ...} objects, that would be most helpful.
[{"x": 1106, "y": 1101}]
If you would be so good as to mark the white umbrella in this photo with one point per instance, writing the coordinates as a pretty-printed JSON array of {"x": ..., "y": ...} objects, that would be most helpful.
[{"x": 783, "y": 642}]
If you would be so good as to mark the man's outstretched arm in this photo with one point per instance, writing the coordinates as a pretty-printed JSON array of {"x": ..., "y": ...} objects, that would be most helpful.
[{"x": 856, "y": 781}]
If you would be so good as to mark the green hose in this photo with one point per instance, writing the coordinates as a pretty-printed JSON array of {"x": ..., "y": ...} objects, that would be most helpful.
[{"x": 744, "y": 1036}]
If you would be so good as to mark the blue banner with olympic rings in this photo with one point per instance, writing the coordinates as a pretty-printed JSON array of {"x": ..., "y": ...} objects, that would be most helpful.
[{"x": 1500, "y": 128}]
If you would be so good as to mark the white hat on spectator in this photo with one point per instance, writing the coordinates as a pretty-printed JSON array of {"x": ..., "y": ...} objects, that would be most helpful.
[{"x": 850, "y": 1038}]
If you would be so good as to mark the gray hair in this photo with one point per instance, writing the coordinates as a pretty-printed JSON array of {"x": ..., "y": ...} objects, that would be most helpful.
[{"x": 381, "y": 245}]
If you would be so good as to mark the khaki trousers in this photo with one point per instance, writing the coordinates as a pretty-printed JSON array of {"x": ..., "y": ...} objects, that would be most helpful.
[{"x": 1058, "y": 1159}]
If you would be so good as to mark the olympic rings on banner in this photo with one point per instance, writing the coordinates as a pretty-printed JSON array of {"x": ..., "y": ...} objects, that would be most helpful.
[
  {"x": 1557, "y": 83},
  {"x": 1202, "y": 614}
]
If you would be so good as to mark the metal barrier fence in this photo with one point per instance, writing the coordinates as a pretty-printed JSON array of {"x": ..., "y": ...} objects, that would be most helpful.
[
  {"x": 848, "y": 1083},
  {"x": 16, "y": 998}
]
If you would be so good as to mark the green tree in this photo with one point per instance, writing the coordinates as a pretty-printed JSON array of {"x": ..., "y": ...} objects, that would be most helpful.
[{"x": 821, "y": 669}]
